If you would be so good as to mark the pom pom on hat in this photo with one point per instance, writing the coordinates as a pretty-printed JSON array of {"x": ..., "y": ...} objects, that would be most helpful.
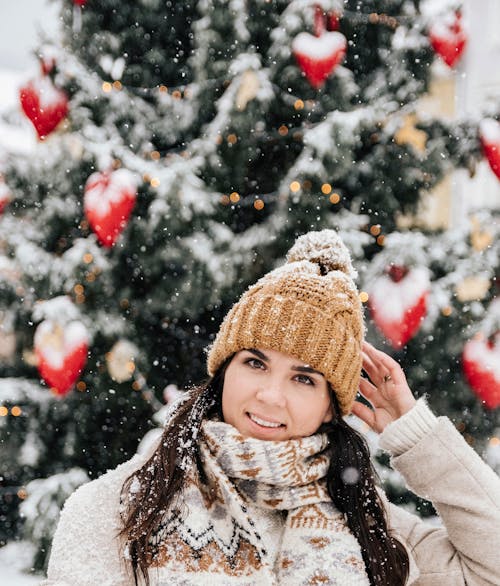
[{"x": 325, "y": 249}]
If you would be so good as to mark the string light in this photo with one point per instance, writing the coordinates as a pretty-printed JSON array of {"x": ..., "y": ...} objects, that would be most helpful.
[
  {"x": 375, "y": 18},
  {"x": 258, "y": 202},
  {"x": 375, "y": 230},
  {"x": 81, "y": 386},
  {"x": 106, "y": 87},
  {"x": 356, "y": 18},
  {"x": 326, "y": 188},
  {"x": 155, "y": 182},
  {"x": 363, "y": 296},
  {"x": 3, "y": 411},
  {"x": 271, "y": 197},
  {"x": 271, "y": 136},
  {"x": 381, "y": 240},
  {"x": 16, "y": 411},
  {"x": 79, "y": 293},
  {"x": 87, "y": 258},
  {"x": 447, "y": 311}
]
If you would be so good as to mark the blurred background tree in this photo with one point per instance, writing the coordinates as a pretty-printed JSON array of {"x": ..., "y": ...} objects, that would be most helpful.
[{"x": 183, "y": 146}]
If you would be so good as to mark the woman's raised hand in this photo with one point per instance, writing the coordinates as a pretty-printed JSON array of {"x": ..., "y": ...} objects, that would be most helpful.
[{"x": 388, "y": 392}]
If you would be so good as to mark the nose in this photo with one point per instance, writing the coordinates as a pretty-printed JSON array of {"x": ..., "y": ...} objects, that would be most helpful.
[{"x": 272, "y": 394}]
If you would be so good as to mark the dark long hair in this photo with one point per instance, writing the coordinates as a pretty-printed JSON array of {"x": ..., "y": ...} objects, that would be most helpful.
[{"x": 350, "y": 481}]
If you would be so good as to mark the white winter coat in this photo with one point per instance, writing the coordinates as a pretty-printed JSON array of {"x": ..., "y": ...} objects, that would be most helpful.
[{"x": 431, "y": 455}]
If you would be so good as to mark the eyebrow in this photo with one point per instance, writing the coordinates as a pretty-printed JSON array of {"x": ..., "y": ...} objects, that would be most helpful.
[{"x": 262, "y": 356}]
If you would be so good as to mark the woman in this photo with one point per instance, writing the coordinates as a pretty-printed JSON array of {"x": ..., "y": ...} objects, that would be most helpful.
[{"x": 257, "y": 478}]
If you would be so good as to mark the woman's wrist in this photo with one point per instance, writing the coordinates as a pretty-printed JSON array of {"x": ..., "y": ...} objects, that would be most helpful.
[{"x": 403, "y": 433}]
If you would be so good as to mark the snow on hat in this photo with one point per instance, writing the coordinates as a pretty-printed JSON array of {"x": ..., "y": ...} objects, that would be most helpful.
[{"x": 308, "y": 308}]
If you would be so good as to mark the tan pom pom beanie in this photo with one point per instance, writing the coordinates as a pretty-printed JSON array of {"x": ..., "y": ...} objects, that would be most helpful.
[{"x": 309, "y": 308}]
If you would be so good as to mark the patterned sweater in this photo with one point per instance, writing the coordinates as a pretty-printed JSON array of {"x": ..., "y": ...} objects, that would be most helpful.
[{"x": 431, "y": 455}]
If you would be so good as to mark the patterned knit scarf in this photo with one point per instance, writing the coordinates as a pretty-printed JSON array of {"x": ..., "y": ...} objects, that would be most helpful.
[{"x": 213, "y": 538}]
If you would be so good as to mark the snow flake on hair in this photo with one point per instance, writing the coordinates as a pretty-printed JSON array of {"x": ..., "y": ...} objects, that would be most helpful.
[{"x": 325, "y": 249}]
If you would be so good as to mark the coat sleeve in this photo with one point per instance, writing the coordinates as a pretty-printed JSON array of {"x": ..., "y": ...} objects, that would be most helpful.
[
  {"x": 440, "y": 466},
  {"x": 85, "y": 550}
]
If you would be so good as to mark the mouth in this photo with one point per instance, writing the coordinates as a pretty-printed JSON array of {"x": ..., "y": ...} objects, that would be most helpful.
[{"x": 262, "y": 423}]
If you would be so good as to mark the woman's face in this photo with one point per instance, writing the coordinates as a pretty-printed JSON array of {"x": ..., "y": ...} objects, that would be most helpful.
[{"x": 273, "y": 396}]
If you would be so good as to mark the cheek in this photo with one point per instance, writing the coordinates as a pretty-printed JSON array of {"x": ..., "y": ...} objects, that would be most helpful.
[
  {"x": 328, "y": 410},
  {"x": 226, "y": 402},
  {"x": 310, "y": 412},
  {"x": 231, "y": 395}
]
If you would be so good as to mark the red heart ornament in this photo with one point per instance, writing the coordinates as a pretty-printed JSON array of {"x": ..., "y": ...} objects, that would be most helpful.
[
  {"x": 489, "y": 134},
  {"x": 47, "y": 57},
  {"x": 448, "y": 38},
  {"x": 319, "y": 56},
  {"x": 44, "y": 104},
  {"x": 325, "y": 20},
  {"x": 481, "y": 367},
  {"x": 398, "y": 303},
  {"x": 108, "y": 202},
  {"x": 333, "y": 20},
  {"x": 61, "y": 353}
]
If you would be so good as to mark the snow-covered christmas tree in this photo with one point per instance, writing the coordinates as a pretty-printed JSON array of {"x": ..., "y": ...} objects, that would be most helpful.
[{"x": 182, "y": 148}]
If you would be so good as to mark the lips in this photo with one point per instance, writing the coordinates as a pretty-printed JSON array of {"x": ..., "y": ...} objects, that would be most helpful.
[{"x": 264, "y": 422}]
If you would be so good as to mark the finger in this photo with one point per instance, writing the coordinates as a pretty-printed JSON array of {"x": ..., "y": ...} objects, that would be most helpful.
[
  {"x": 373, "y": 394},
  {"x": 372, "y": 370},
  {"x": 384, "y": 363},
  {"x": 367, "y": 389},
  {"x": 374, "y": 354},
  {"x": 364, "y": 413}
]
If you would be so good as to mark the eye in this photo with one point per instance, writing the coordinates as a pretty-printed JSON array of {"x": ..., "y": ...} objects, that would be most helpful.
[
  {"x": 307, "y": 380},
  {"x": 255, "y": 363}
]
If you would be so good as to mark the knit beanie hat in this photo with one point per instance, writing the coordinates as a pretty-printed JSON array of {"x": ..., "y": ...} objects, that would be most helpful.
[{"x": 308, "y": 308}]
